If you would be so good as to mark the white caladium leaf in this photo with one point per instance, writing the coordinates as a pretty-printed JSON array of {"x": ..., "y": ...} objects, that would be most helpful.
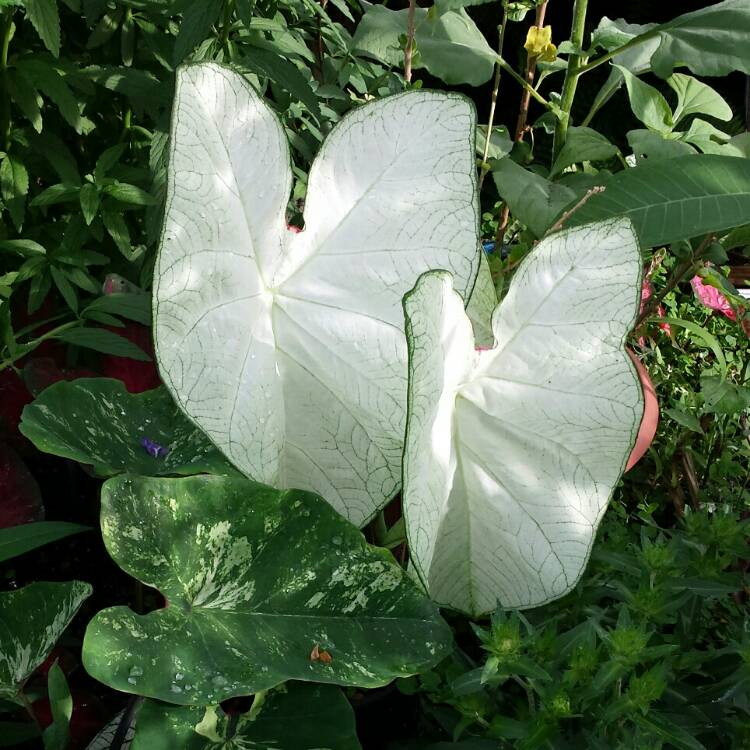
[
  {"x": 512, "y": 453},
  {"x": 287, "y": 348}
]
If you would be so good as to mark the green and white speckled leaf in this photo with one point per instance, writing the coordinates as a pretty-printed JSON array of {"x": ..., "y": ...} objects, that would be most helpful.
[
  {"x": 482, "y": 304},
  {"x": 96, "y": 421},
  {"x": 512, "y": 453},
  {"x": 32, "y": 619},
  {"x": 287, "y": 347},
  {"x": 255, "y": 578},
  {"x": 296, "y": 716}
]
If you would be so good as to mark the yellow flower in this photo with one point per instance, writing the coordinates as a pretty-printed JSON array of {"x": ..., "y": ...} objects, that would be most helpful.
[{"x": 539, "y": 43}]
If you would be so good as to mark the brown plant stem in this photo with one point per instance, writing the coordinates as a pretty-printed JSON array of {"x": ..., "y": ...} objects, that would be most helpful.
[
  {"x": 559, "y": 223},
  {"x": 523, "y": 110}
]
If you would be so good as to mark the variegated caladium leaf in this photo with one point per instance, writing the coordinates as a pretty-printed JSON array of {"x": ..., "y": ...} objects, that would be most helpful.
[
  {"x": 296, "y": 715},
  {"x": 262, "y": 586},
  {"x": 96, "y": 421},
  {"x": 512, "y": 453},
  {"x": 32, "y": 619},
  {"x": 287, "y": 347}
]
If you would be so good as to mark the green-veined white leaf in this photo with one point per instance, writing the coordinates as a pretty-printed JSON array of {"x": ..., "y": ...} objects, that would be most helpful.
[
  {"x": 256, "y": 580},
  {"x": 96, "y": 421},
  {"x": 512, "y": 453},
  {"x": 287, "y": 348},
  {"x": 32, "y": 619},
  {"x": 297, "y": 715}
]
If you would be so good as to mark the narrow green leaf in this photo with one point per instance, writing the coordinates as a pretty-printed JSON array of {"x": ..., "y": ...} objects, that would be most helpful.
[
  {"x": 65, "y": 288},
  {"x": 46, "y": 20},
  {"x": 132, "y": 306},
  {"x": 16, "y": 540},
  {"x": 127, "y": 193},
  {"x": 59, "y": 193},
  {"x": 53, "y": 85},
  {"x": 101, "y": 340},
  {"x": 695, "y": 195},
  {"x": 118, "y": 230},
  {"x": 89, "y": 197},
  {"x": 14, "y": 186},
  {"x": 262, "y": 586},
  {"x": 57, "y": 735},
  {"x": 22, "y": 247},
  {"x": 107, "y": 160},
  {"x": 25, "y": 96}
]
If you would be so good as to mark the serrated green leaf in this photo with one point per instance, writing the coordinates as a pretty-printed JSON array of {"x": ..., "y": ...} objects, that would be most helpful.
[
  {"x": 46, "y": 20},
  {"x": 32, "y": 619},
  {"x": 17, "y": 540},
  {"x": 297, "y": 715},
  {"x": 65, "y": 288},
  {"x": 89, "y": 198},
  {"x": 50, "y": 81},
  {"x": 258, "y": 582},
  {"x": 102, "y": 340},
  {"x": 96, "y": 421}
]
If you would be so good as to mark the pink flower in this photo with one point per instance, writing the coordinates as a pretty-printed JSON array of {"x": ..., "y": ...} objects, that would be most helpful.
[{"x": 712, "y": 298}]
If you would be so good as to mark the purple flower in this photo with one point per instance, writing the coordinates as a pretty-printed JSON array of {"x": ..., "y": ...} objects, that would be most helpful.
[{"x": 154, "y": 449}]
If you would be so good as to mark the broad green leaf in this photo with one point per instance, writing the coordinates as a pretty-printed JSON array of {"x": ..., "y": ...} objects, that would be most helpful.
[
  {"x": 45, "y": 19},
  {"x": 258, "y": 583},
  {"x": 454, "y": 49},
  {"x": 481, "y": 305},
  {"x": 14, "y": 186},
  {"x": 254, "y": 323},
  {"x": 697, "y": 98},
  {"x": 102, "y": 340},
  {"x": 96, "y": 421},
  {"x": 197, "y": 20},
  {"x": 582, "y": 144},
  {"x": 512, "y": 453},
  {"x": 709, "y": 139},
  {"x": 695, "y": 195},
  {"x": 650, "y": 146},
  {"x": 16, "y": 540},
  {"x": 501, "y": 143},
  {"x": 89, "y": 198},
  {"x": 296, "y": 715},
  {"x": 532, "y": 199},
  {"x": 32, "y": 619},
  {"x": 450, "y": 45},
  {"x": 57, "y": 735},
  {"x": 131, "y": 305},
  {"x": 647, "y": 103}
]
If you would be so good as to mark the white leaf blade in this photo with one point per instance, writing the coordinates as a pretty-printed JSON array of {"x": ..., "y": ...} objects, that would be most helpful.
[
  {"x": 510, "y": 487},
  {"x": 287, "y": 348}
]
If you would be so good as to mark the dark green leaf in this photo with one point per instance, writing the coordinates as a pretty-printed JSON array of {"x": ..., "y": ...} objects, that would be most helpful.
[
  {"x": 102, "y": 340},
  {"x": 57, "y": 735},
  {"x": 297, "y": 715},
  {"x": 65, "y": 288},
  {"x": 262, "y": 586},
  {"x": 196, "y": 24},
  {"x": 126, "y": 193},
  {"x": 22, "y": 247},
  {"x": 45, "y": 19},
  {"x": 118, "y": 231},
  {"x": 96, "y": 421},
  {"x": 107, "y": 160},
  {"x": 132, "y": 306},
  {"x": 26, "y": 97},
  {"x": 59, "y": 193},
  {"x": 582, "y": 144},
  {"x": 89, "y": 197},
  {"x": 16, "y": 540},
  {"x": 14, "y": 186}
]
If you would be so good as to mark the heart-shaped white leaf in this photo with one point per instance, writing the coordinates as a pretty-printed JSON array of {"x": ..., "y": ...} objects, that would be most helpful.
[
  {"x": 512, "y": 453},
  {"x": 287, "y": 348}
]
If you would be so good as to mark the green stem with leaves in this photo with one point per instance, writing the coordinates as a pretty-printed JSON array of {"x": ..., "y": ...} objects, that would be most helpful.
[
  {"x": 226, "y": 26},
  {"x": 571, "y": 75},
  {"x": 25, "y": 349},
  {"x": 522, "y": 82},
  {"x": 6, "y": 30}
]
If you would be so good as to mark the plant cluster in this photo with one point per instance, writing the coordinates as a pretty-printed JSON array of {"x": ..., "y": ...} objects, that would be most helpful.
[{"x": 356, "y": 290}]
